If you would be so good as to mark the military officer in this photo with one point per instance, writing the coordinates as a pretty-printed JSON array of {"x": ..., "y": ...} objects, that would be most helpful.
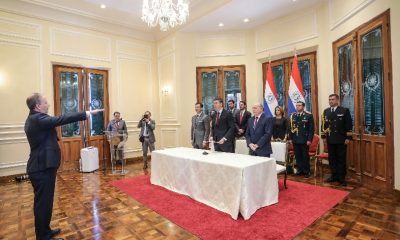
[
  {"x": 301, "y": 134},
  {"x": 336, "y": 126}
]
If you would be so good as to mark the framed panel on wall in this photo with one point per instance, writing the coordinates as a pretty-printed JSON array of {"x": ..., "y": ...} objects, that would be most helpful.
[{"x": 226, "y": 82}]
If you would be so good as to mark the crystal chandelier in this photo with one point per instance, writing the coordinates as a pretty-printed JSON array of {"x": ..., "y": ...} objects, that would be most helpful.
[{"x": 165, "y": 12}]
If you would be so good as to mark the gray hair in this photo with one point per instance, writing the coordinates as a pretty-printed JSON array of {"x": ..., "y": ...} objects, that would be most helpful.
[
  {"x": 33, "y": 100},
  {"x": 258, "y": 104}
]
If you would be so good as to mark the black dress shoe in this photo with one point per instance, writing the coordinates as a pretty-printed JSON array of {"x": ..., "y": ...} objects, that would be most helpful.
[
  {"x": 55, "y": 232},
  {"x": 56, "y": 238},
  {"x": 330, "y": 180},
  {"x": 343, "y": 183},
  {"x": 307, "y": 175},
  {"x": 299, "y": 174}
]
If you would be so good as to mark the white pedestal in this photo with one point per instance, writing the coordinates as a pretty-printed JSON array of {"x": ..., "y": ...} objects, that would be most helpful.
[{"x": 89, "y": 161}]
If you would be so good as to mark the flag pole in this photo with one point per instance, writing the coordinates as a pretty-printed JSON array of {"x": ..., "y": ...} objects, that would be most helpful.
[{"x": 269, "y": 58}]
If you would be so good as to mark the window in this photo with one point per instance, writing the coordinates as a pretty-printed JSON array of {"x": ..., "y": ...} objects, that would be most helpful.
[
  {"x": 226, "y": 82},
  {"x": 281, "y": 70}
]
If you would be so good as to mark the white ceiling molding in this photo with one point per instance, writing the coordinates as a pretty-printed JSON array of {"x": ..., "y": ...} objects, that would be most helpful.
[
  {"x": 335, "y": 23},
  {"x": 60, "y": 15}
]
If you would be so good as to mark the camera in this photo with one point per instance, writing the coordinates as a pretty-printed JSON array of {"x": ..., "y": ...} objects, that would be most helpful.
[{"x": 145, "y": 116}]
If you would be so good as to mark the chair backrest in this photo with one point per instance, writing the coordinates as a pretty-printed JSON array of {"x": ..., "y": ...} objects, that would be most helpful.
[
  {"x": 325, "y": 147},
  {"x": 290, "y": 147},
  {"x": 314, "y": 145}
]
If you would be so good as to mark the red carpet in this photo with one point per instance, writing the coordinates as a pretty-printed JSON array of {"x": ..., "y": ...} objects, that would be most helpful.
[{"x": 299, "y": 206}]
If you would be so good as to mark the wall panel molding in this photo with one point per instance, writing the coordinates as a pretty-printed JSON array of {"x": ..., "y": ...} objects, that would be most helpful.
[
  {"x": 133, "y": 49},
  {"x": 149, "y": 81},
  {"x": 24, "y": 27},
  {"x": 166, "y": 47},
  {"x": 38, "y": 46},
  {"x": 221, "y": 40},
  {"x": 79, "y": 37},
  {"x": 170, "y": 97},
  {"x": 173, "y": 134},
  {"x": 309, "y": 17},
  {"x": 334, "y": 23}
]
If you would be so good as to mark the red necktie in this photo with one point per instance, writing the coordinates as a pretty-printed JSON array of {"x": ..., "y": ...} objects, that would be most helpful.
[
  {"x": 217, "y": 122},
  {"x": 255, "y": 123},
  {"x": 241, "y": 117}
]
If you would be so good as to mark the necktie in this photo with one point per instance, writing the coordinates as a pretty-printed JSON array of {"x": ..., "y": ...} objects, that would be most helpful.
[
  {"x": 332, "y": 109},
  {"x": 255, "y": 123},
  {"x": 217, "y": 118},
  {"x": 117, "y": 124},
  {"x": 241, "y": 117}
]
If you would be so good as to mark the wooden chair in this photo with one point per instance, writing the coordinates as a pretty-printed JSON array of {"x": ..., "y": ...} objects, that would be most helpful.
[
  {"x": 318, "y": 160},
  {"x": 290, "y": 155},
  {"x": 313, "y": 149}
]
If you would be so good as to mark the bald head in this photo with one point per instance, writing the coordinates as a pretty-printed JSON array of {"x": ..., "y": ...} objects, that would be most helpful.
[{"x": 257, "y": 109}]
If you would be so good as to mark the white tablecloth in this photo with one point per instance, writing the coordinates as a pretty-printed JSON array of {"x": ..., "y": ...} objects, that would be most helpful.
[
  {"x": 278, "y": 149},
  {"x": 231, "y": 183}
]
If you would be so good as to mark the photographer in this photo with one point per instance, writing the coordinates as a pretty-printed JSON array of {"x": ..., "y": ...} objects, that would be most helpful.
[{"x": 147, "y": 126}]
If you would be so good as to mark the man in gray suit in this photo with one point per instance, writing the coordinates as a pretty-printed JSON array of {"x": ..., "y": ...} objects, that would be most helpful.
[
  {"x": 200, "y": 127},
  {"x": 147, "y": 127},
  {"x": 118, "y": 125}
]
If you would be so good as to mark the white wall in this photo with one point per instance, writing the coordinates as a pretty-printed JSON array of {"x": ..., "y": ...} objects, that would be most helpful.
[{"x": 29, "y": 47}]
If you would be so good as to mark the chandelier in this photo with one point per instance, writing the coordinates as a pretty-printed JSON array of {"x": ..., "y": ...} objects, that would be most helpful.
[{"x": 165, "y": 12}]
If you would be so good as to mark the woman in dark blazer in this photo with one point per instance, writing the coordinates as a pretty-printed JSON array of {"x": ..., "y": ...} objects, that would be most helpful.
[{"x": 280, "y": 125}]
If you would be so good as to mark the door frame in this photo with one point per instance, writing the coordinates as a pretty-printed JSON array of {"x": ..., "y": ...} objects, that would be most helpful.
[{"x": 355, "y": 35}]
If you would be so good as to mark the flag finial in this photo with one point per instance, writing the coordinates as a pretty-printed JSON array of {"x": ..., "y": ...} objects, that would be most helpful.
[
  {"x": 295, "y": 52},
  {"x": 269, "y": 58}
]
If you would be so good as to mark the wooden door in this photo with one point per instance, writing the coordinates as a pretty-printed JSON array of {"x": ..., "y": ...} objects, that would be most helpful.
[
  {"x": 226, "y": 82},
  {"x": 207, "y": 86},
  {"x": 97, "y": 97},
  {"x": 79, "y": 89},
  {"x": 369, "y": 98},
  {"x": 346, "y": 86},
  {"x": 68, "y": 97},
  {"x": 375, "y": 101}
]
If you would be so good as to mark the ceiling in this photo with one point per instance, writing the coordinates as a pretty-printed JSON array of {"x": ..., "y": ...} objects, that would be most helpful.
[
  {"x": 125, "y": 15},
  {"x": 258, "y": 12}
]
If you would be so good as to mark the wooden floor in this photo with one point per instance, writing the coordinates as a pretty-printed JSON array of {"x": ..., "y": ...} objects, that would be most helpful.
[{"x": 86, "y": 207}]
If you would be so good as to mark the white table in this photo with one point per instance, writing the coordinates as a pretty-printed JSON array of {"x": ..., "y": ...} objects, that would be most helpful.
[
  {"x": 229, "y": 182},
  {"x": 279, "y": 149}
]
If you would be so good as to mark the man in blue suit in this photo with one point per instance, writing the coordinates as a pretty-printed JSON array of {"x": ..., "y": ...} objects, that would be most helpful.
[
  {"x": 44, "y": 158},
  {"x": 259, "y": 132}
]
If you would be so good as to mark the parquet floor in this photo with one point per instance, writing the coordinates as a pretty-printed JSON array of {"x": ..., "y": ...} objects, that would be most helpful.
[{"x": 86, "y": 207}]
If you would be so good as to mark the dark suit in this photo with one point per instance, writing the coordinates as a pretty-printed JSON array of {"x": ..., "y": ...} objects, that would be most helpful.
[
  {"x": 223, "y": 128},
  {"x": 335, "y": 128},
  {"x": 241, "y": 124},
  {"x": 260, "y": 135},
  {"x": 301, "y": 130},
  {"x": 43, "y": 163}
]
